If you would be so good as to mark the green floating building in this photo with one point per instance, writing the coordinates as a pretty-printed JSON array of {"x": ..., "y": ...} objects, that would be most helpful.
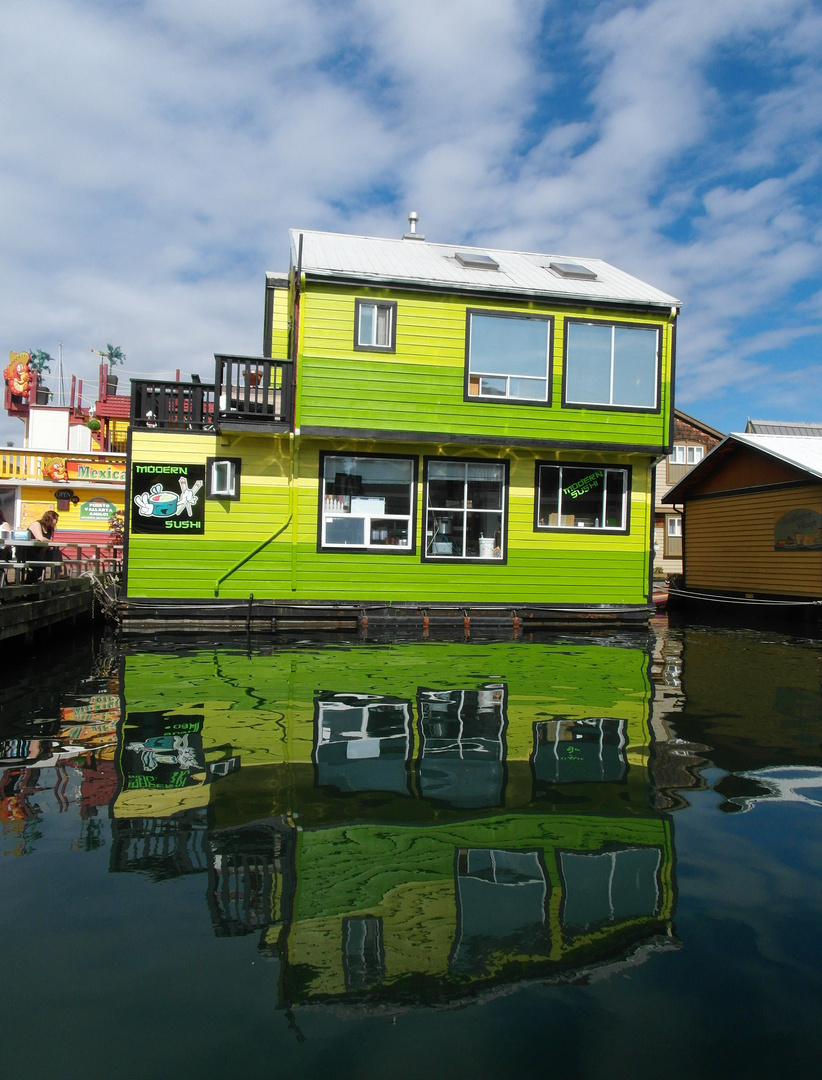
[{"x": 432, "y": 432}]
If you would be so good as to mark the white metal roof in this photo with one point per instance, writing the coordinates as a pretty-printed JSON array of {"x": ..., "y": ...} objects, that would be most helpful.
[
  {"x": 418, "y": 263},
  {"x": 803, "y": 451}
]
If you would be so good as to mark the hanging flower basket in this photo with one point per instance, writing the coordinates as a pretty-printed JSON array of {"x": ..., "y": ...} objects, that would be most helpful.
[{"x": 93, "y": 424}]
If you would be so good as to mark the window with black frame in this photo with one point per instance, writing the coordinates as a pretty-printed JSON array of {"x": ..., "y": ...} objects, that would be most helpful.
[
  {"x": 582, "y": 497},
  {"x": 465, "y": 510},
  {"x": 375, "y": 325},
  {"x": 611, "y": 365},
  {"x": 367, "y": 503},
  {"x": 508, "y": 356}
]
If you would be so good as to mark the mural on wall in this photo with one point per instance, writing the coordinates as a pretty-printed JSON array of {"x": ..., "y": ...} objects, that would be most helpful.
[
  {"x": 166, "y": 499},
  {"x": 798, "y": 530}
]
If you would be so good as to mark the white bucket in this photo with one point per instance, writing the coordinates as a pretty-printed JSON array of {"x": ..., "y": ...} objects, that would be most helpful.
[{"x": 486, "y": 547}]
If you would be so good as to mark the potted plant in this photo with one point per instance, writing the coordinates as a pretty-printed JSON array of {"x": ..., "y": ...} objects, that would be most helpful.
[
  {"x": 40, "y": 363},
  {"x": 114, "y": 355}
]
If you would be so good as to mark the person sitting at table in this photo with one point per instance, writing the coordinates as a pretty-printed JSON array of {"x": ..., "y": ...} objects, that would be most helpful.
[
  {"x": 43, "y": 530},
  {"x": 5, "y": 535}
]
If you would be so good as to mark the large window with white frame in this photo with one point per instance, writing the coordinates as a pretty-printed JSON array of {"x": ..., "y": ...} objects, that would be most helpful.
[
  {"x": 367, "y": 503},
  {"x": 611, "y": 365},
  {"x": 465, "y": 509},
  {"x": 508, "y": 357},
  {"x": 375, "y": 325},
  {"x": 582, "y": 497}
]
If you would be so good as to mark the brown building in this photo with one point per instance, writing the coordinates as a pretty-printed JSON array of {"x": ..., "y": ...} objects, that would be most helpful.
[
  {"x": 752, "y": 518},
  {"x": 692, "y": 441}
]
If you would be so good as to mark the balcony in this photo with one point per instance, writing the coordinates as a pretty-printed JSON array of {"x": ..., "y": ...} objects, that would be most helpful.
[{"x": 248, "y": 394}]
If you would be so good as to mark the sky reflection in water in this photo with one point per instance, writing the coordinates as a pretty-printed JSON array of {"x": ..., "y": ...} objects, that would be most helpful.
[{"x": 301, "y": 861}]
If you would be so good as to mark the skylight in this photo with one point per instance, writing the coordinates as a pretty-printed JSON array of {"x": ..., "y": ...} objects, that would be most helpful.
[
  {"x": 573, "y": 270},
  {"x": 476, "y": 261}
]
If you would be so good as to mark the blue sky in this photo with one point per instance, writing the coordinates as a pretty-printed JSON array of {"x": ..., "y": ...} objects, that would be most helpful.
[{"x": 156, "y": 152}]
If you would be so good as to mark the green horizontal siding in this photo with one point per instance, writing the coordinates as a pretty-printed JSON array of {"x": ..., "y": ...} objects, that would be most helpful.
[
  {"x": 420, "y": 387},
  {"x": 544, "y": 567}
]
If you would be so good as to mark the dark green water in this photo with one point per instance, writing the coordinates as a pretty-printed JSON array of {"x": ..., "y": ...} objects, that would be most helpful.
[{"x": 569, "y": 857}]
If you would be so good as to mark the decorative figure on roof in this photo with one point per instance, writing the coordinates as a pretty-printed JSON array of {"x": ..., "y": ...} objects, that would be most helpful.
[{"x": 18, "y": 375}]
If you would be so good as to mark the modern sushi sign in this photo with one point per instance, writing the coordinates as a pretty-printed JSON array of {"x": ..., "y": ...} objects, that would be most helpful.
[{"x": 168, "y": 499}]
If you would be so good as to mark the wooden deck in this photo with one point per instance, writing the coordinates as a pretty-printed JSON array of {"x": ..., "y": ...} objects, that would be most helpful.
[{"x": 28, "y": 611}]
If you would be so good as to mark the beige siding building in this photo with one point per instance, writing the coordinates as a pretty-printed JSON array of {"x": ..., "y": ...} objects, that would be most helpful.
[{"x": 692, "y": 441}]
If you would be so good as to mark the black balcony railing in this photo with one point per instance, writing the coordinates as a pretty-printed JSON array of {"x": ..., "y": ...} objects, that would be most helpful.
[
  {"x": 247, "y": 393},
  {"x": 254, "y": 391},
  {"x": 172, "y": 405}
]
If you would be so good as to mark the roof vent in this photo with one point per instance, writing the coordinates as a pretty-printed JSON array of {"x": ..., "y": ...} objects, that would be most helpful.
[
  {"x": 476, "y": 261},
  {"x": 412, "y": 234},
  {"x": 573, "y": 270}
]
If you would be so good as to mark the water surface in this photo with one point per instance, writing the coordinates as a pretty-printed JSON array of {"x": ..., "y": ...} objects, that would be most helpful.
[{"x": 581, "y": 856}]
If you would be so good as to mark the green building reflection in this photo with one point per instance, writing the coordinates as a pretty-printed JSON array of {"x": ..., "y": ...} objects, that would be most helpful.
[{"x": 404, "y": 824}]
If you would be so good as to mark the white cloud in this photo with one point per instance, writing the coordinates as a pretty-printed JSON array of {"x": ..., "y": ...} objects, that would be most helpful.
[{"x": 156, "y": 153}]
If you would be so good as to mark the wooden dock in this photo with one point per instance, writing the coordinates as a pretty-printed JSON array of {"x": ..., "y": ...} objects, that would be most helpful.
[{"x": 29, "y": 611}]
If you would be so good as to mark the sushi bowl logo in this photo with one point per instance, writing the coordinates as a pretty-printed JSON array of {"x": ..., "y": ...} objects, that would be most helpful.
[{"x": 161, "y": 508}]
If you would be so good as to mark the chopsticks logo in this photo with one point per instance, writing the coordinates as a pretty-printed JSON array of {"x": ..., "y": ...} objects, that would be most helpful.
[{"x": 166, "y": 499}]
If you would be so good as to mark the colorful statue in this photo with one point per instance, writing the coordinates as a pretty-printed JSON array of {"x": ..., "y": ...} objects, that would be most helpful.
[{"x": 18, "y": 374}]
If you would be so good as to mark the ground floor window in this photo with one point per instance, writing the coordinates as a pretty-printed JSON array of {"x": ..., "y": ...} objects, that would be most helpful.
[
  {"x": 582, "y": 497},
  {"x": 367, "y": 502},
  {"x": 673, "y": 535},
  {"x": 465, "y": 509}
]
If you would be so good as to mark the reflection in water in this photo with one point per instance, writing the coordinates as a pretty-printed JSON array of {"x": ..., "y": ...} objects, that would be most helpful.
[
  {"x": 462, "y": 745},
  {"x": 363, "y": 742},
  {"x": 421, "y": 824}
]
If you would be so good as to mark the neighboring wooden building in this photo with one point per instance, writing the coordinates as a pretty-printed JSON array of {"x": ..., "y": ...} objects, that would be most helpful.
[
  {"x": 752, "y": 514},
  {"x": 445, "y": 427},
  {"x": 693, "y": 439}
]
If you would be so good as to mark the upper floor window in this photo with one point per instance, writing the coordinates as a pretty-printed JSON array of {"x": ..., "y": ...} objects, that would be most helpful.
[
  {"x": 375, "y": 325},
  {"x": 611, "y": 365},
  {"x": 367, "y": 503},
  {"x": 465, "y": 509},
  {"x": 686, "y": 455},
  {"x": 582, "y": 497},
  {"x": 508, "y": 356}
]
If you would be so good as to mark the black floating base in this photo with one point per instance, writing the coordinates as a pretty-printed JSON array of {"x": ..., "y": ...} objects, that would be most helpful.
[{"x": 143, "y": 616}]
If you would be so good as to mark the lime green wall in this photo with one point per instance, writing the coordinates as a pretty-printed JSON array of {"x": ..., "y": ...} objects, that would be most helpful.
[
  {"x": 279, "y": 324},
  {"x": 419, "y": 388},
  {"x": 577, "y": 567}
]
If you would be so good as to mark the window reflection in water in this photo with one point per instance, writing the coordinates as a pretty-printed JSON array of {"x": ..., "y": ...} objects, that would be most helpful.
[
  {"x": 502, "y": 900},
  {"x": 606, "y": 887},
  {"x": 568, "y": 751},
  {"x": 363, "y": 742},
  {"x": 462, "y": 745}
]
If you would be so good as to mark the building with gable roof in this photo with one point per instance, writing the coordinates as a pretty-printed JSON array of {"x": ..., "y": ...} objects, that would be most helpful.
[
  {"x": 431, "y": 429},
  {"x": 752, "y": 519}
]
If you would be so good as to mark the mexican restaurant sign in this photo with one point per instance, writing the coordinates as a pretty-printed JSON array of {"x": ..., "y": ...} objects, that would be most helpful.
[{"x": 107, "y": 472}]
